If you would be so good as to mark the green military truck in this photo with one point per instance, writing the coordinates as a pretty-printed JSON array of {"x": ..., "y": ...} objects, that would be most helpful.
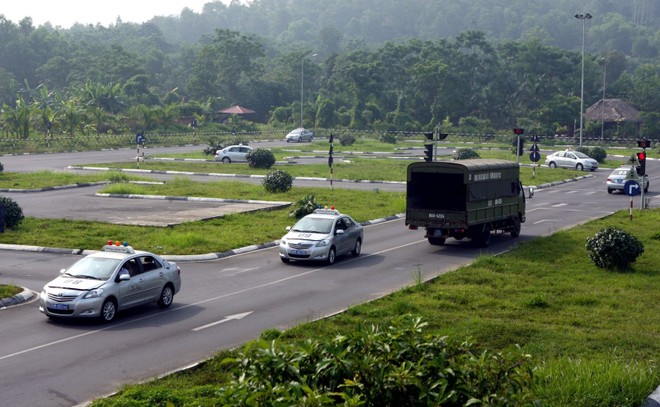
[{"x": 465, "y": 199}]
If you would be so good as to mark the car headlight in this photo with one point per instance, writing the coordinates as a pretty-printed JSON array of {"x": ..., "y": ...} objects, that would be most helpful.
[
  {"x": 93, "y": 293},
  {"x": 323, "y": 243}
]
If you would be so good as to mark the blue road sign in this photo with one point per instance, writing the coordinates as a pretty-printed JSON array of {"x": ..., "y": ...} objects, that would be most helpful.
[
  {"x": 534, "y": 156},
  {"x": 631, "y": 188}
]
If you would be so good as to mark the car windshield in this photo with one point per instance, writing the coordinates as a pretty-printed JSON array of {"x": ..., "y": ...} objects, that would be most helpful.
[
  {"x": 313, "y": 225},
  {"x": 98, "y": 268},
  {"x": 581, "y": 155}
]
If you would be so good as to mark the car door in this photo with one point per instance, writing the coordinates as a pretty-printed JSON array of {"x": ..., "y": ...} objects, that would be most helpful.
[
  {"x": 152, "y": 277},
  {"x": 243, "y": 154},
  {"x": 342, "y": 239},
  {"x": 571, "y": 160},
  {"x": 130, "y": 292}
]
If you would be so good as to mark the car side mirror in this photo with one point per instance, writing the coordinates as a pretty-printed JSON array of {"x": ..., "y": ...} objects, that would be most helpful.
[
  {"x": 62, "y": 271},
  {"x": 124, "y": 277},
  {"x": 339, "y": 232},
  {"x": 531, "y": 193}
]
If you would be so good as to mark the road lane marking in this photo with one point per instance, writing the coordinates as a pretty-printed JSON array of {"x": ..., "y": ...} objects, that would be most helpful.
[{"x": 222, "y": 321}]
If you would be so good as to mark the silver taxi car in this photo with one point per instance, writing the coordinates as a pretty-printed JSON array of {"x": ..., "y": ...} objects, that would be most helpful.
[
  {"x": 114, "y": 279},
  {"x": 322, "y": 235},
  {"x": 237, "y": 153},
  {"x": 298, "y": 135},
  {"x": 571, "y": 159},
  {"x": 618, "y": 178}
]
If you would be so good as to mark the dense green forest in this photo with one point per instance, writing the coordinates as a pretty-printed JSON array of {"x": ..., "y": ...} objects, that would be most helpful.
[{"x": 478, "y": 65}]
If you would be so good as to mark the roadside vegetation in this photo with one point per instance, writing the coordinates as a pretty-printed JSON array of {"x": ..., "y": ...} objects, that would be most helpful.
[
  {"x": 49, "y": 179},
  {"x": 8, "y": 290},
  {"x": 590, "y": 335}
]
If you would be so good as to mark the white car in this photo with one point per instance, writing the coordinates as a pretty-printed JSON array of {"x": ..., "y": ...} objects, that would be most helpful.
[
  {"x": 618, "y": 178},
  {"x": 104, "y": 283},
  {"x": 232, "y": 154},
  {"x": 571, "y": 159},
  {"x": 323, "y": 236},
  {"x": 299, "y": 135}
]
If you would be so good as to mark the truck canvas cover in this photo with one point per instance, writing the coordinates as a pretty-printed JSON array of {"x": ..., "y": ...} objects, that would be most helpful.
[{"x": 453, "y": 185}]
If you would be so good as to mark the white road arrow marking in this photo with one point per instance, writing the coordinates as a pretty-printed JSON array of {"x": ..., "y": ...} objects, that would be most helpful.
[{"x": 222, "y": 321}]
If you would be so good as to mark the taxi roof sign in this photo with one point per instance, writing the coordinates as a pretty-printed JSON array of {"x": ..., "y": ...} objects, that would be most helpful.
[
  {"x": 118, "y": 249},
  {"x": 327, "y": 211}
]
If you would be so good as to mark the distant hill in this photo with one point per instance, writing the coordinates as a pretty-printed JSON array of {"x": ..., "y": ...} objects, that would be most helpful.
[{"x": 629, "y": 27}]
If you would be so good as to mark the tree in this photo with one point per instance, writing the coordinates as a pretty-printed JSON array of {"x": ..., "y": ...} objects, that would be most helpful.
[{"x": 222, "y": 66}]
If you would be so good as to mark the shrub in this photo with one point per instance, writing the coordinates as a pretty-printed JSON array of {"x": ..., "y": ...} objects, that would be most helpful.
[
  {"x": 465, "y": 154},
  {"x": 584, "y": 150},
  {"x": 215, "y": 144},
  {"x": 277, "y": 181},
  {"x": 2, "y": 168},
  {"x": 13, "y": 212},
  {"x": 389, "y": 138},
  {"x": 377, "y": 366},
  {"x": 260, "y": 158},
  {"x": 346, "y": 140},
  {"x": 598, "y": 153},
  {"x": 613, "y": 248},
  {"x": 305, "y": 206}
]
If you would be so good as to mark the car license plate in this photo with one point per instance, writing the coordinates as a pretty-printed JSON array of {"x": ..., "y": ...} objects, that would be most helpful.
[
  {"x": 58, "y": 306},
  {"x": 299, "y": 252}
]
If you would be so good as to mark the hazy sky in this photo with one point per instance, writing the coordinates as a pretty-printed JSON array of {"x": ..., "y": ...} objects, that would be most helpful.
[{"x": 65, "y": 13}]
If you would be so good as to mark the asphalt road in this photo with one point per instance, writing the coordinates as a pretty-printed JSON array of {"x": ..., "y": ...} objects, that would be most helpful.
[{"x": 225, "y": 302}]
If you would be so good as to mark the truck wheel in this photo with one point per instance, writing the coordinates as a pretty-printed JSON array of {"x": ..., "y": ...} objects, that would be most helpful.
[
  {"x": 482, "y": 237},
  {"x": 437, "y": 241},
  {"x": 515, "y": 231}
]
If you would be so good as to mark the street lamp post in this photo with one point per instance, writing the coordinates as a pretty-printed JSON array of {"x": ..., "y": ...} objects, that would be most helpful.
[
  {"x": 302, "y": 81},
  {"x": 584, "y": 18},
  {"x": 602, "y": 106}
]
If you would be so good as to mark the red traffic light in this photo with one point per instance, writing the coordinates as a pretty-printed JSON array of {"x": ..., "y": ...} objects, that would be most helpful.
[
  {"x": 518, "y": 131},
  {"x": 641, "y": 156}
]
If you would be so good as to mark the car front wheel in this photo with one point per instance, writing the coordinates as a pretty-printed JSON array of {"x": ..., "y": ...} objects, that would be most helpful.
[
  {"x": 108, "y": 310},
  {"x": 332, "y": 256},
  {"x": 579, "y": 167},
  {"x": 166, "y": 297}
]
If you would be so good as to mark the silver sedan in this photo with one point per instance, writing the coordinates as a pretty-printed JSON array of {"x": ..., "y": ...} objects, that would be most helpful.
[
  {"x": 571, "y": 159},
  {"x": 232, "y": 154},
  {"x": 323, "y": 235},
  {"x": 104, "y": 283}
]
